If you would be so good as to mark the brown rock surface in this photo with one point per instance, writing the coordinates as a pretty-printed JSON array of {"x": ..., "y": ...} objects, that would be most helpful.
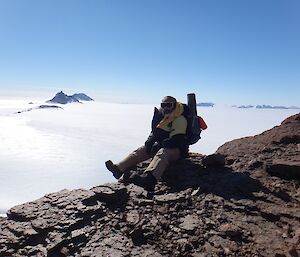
[
  {"x": 276, "y": 150},
  {"x": 249, "y": 207}
]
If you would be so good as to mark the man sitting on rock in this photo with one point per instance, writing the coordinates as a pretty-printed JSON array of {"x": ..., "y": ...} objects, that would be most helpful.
[{"x": 166, "y": 143}]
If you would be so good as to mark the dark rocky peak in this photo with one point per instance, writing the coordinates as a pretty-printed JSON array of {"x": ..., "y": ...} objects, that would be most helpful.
[
  {"x": 62, "y": 98},
  {"x": 225, "y": 204},
  {"x": 82, "y": 97}
]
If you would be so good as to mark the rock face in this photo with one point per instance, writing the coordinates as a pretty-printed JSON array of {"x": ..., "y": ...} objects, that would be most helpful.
[
  {"x": 277, "y": 150},
  {"x": 242, "y": 201}
]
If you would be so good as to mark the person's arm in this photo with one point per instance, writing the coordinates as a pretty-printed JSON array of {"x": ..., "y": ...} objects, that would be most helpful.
[{"x": 152, "y": 143}]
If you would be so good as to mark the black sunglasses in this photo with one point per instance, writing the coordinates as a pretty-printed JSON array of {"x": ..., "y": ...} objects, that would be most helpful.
[{"x": 167, "y": 105}]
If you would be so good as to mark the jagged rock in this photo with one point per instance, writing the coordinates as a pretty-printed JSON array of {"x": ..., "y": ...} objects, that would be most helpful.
[
  {"x": 230, "y": 230},
  {"x": 62, "y": 98},
  {"x": 82, "y": 97},
  {"x": 284, "y": 169},
  {"x": 232, "y": 203},
  {"x": 214, "y": 160},
  {"x": 111, "y": 193}
]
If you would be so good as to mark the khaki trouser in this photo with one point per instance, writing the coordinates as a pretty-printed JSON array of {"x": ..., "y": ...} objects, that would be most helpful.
[{"x": 157, "y": 166}]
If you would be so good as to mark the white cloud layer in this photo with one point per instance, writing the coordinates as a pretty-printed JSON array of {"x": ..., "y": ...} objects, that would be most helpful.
[{"x": 43, "y": 151}]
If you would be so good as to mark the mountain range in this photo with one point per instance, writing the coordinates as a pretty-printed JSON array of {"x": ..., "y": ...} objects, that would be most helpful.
[
  {"x": 62, "y": 98},
  {"x": 264, "y": 106},
  {"x": 59, "y": 98},
  {"x": 206, "y": 104}
]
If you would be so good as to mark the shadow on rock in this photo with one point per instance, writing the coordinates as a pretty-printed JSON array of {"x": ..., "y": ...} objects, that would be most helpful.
[
  {"x": 208, "y": 175},
  {"x": 218, "y": 180}
]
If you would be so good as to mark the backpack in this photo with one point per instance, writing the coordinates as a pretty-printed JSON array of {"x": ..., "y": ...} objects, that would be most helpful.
[{"x": 195, "y": 124}]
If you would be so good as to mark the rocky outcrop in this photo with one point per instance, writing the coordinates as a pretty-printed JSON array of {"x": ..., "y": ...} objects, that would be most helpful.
[
  {"x": 62, "y": 98},
  {"x": 82, "y": 97},
  {"x": 226, "y": 204},
  {"x": 43, "y": 107},
  {"x": 59, "y": 98},
  {"x": 276, "y": 151}
]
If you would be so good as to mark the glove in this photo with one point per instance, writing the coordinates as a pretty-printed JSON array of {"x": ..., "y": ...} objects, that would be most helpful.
[
  {"x": 168, "y": 143},
  {"x": 154, "y": 149},
  {"x": 149, "y": 143}
]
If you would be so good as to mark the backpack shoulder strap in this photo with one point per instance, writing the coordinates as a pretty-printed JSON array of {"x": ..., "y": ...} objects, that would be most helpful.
[{"x": 186, "y": 111}]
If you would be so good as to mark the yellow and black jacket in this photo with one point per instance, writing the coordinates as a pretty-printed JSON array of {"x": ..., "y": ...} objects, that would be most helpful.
[{"x": 168, "y": 131}]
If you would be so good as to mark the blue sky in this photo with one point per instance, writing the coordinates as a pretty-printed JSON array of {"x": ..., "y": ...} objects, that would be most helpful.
[{"x": 232, "y": 52}]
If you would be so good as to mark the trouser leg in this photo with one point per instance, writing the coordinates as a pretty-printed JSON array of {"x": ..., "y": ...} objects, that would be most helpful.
[
  {"x": 137, "y": 156},
  {"x": 161, "y": 161}
]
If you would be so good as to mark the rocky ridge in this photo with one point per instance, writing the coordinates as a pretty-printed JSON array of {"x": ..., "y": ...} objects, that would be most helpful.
[
  {"x": 62, "y": 98},
  {"x": 244, "y": 200},
  {"x": 43, "y": 106}
]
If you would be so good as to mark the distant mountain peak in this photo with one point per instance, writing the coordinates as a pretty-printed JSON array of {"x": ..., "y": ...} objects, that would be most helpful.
[
  {"x": 264, "y": 106},
  {"x": 62, "y": 98},
  {"x": 82, "y": 97},
  {"x": 207, "y": 104}
]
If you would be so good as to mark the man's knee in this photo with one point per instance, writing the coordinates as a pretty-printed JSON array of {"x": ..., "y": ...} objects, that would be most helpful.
[{"x": 140, "y": 153}]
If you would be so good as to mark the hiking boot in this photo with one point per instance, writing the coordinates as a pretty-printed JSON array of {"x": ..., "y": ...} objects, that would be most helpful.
[
  {"x": 114, "y": 169},
  {"x": 127, "y": 175},
  {"x": 147, "y": 181}
]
